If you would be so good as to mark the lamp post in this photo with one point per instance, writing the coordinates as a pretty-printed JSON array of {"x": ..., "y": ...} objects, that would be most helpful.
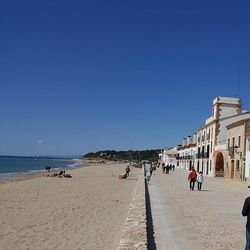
[{"x": 236, "y": 151}]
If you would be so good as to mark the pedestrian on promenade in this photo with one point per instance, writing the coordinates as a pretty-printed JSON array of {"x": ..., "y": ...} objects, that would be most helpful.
[
  {"x": 200, "y": 179},
  {"x": 154, "y": 167},
  {"x": 173, "y": 167},
  {"x": 192, "y": 179},
  {"x": 151, "y": 170},
  {"x": 167, "y": 169},
  {"x": 163, "y": 167},
  {"x": 148, "y": 176},
  {"x": 246, "y": 212}
]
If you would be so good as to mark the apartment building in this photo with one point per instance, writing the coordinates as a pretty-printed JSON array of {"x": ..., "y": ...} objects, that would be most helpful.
[
  {"x": 238, "y": 148},
  {"x": 186, "y": 153},
  {"x": 211, "y": 142},
  {"x": 168, "y": 156}
]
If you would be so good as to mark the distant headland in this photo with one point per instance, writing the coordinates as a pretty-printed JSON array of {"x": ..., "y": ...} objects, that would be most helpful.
[{"x": 129, "y": 155}]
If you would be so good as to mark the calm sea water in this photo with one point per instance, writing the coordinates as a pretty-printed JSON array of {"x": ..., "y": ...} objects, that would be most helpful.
[{"x": 13, "y": 166}]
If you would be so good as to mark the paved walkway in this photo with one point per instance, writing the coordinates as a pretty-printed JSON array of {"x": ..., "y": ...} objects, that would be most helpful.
[{"x": 209, "y": 219}]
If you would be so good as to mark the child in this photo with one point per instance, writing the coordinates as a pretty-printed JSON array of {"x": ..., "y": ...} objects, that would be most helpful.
[{"x": 200, "y": 179}]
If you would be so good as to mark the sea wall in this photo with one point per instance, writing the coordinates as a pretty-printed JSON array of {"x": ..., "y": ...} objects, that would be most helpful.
[{"x": 134, "y": 233}]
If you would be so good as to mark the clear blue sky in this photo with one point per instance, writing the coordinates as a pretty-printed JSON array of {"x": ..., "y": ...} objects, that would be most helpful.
[{"x": 79, "y": 76}]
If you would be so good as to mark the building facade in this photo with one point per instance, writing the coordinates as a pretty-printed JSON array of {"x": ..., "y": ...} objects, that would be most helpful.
[
  {"x": 186, "y": 153},
  {"x": 168, "y": 156},
  {"x": 238, "y": 148},
  {"x": 211, "y": 143}
]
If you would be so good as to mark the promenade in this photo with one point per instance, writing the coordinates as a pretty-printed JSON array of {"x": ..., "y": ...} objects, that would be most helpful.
[{"x": 208, "y": 219}]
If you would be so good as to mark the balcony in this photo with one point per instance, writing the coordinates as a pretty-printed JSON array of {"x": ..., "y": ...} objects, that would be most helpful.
[{"x": 202, "y": 155}]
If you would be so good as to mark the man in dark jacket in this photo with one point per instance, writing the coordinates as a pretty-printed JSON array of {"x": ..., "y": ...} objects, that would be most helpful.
[{"x": 246, "y": 212}]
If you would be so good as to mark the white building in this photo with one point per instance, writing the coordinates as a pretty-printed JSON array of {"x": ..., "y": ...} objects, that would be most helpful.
[
  {"x": 186, "y": 153},
  {"x": 168, "y": 156},
  {"x": 238, "y": 147},
  {"x": 211, "y": 143}
]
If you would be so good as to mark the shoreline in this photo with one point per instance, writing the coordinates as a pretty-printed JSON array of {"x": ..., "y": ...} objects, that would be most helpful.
[
  {"x": 32, "y": 174},
  {"x": 43, "y": 173}
]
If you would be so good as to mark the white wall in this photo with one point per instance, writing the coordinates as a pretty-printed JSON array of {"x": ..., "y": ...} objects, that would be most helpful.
[
  {"x": 223, "y": 131},
  {"x": 247, "y": 163}
]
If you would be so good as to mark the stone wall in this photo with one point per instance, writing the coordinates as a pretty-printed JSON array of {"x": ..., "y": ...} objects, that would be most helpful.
[{"x": 134, "y": 233}]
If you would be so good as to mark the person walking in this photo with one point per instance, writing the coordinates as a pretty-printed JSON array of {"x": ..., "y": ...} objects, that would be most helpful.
[
  {"x": 127, "y": 171},
  {"x": 192, "y": 179},
  {"x": 148, "y": 176},
  {"x": 246, "y": 212},
  {"x": 170, "y": 167},
  {"x": 163, "y": 167},
  {"x": 151, "y": 170},
  {"x": 200, "y": 179}
]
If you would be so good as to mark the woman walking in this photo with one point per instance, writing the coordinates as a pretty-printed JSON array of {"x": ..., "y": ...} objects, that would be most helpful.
[{"x": 200, "y": 179}]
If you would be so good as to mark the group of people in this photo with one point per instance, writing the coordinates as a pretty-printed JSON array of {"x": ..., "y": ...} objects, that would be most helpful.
[
  {"x": 152, "y": 168},
  {"x": 61, "y": 174},
  {"x": 48, "y": 168},
  {"x": 167, "y": 168},
  {"x": 193, "y": 177}
]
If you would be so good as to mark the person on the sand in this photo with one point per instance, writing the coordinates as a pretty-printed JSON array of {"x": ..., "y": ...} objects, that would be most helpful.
[{"x": 127, "y": 171}]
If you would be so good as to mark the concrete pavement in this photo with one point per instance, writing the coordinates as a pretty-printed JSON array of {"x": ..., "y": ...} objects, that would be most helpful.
[{"x": 208, "y": 219}]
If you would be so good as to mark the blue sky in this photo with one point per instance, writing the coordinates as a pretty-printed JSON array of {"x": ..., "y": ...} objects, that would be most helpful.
[{"x": 80, "y": 76}]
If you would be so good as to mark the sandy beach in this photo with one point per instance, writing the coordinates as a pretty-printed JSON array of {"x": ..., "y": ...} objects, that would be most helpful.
[{"x": 87, "y": 211}]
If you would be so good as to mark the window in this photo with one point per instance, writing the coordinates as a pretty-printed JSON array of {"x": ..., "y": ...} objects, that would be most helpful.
[
  {"x": 228, "y": 143},
  {"x": 233, "y": 142},
  {"x": 237, "y": 165},
  {"x": 239, "y": 142},
  {"x": 248, "y": 141}
]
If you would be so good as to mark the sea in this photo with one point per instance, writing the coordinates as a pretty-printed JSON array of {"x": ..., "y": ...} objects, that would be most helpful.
[{"x": 12, "y": 166}]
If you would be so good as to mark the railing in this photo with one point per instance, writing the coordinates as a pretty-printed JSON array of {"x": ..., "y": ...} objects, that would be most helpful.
[{"x": 202, "y": 155}]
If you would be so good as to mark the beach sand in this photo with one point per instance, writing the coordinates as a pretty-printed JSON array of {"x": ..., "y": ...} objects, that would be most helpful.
[{"x": 87, "y": 211}]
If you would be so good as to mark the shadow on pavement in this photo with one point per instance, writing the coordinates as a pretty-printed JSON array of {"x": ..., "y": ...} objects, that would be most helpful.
[
  {"x": 150, "y": 227},
  {"x": 203, "y": 190}
]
